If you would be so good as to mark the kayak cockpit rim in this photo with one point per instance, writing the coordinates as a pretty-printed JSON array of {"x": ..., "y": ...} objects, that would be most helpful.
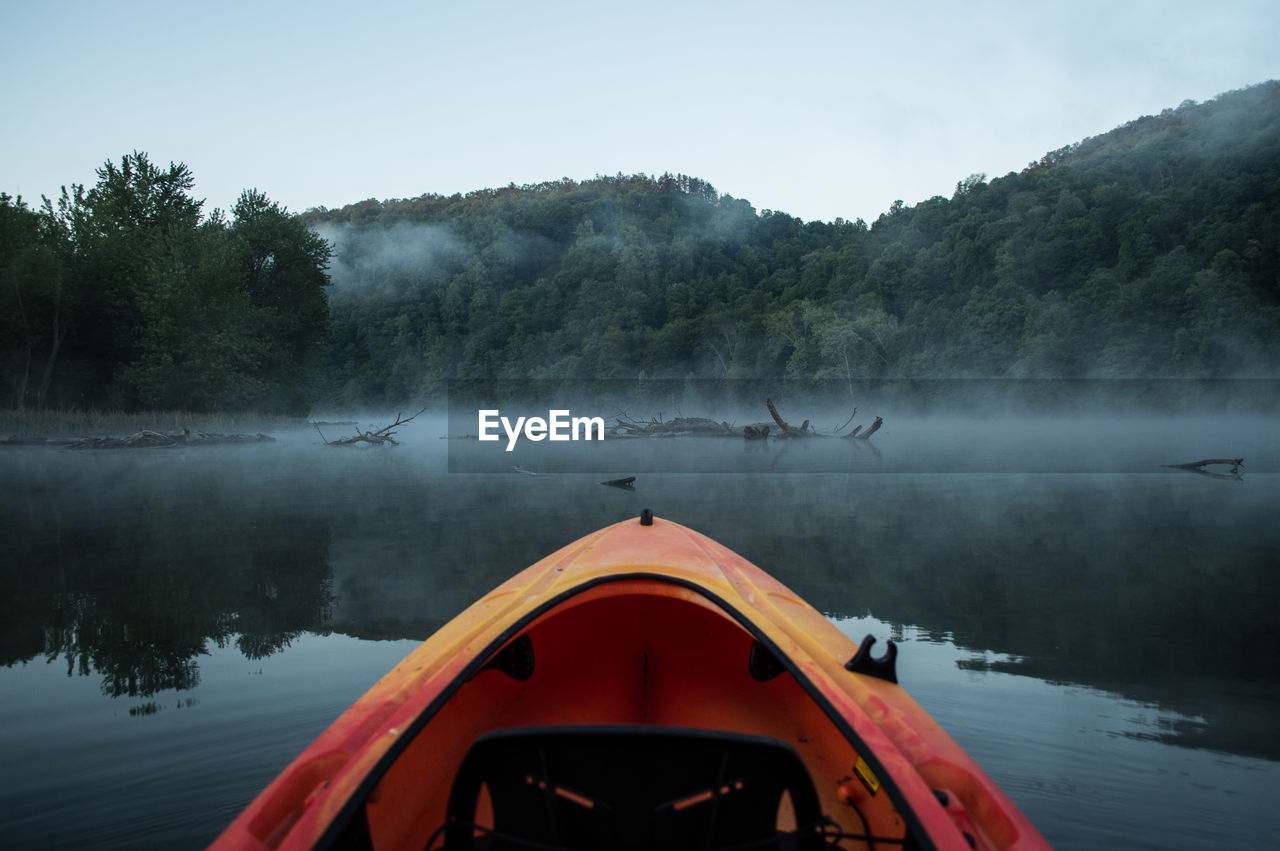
[{"x": 351, "y": 807}]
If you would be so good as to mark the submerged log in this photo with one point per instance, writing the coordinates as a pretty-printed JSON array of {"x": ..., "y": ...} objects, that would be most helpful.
[
  {"x": 39, "y": 441},
  {"x": 380, "y": 437},
  {"x": 1198, "y": 467},
  {"x": 627, "y": 426},
  {"x": 153, "y": 439},
  {"x": 627, "y": 483}
]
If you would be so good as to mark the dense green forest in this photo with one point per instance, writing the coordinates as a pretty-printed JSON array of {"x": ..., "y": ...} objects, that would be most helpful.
[
  {"x": 1149, "y": 251},
  {"x": 125, "y": 295}
]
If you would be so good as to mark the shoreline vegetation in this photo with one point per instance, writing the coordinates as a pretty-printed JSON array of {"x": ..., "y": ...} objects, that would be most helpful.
[
  {"x": 1149, "y": 252},
  {"x": 51, "y": 424}
]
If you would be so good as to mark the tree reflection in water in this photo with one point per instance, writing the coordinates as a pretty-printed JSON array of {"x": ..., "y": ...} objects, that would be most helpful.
[{"x": 137, "y": 596}]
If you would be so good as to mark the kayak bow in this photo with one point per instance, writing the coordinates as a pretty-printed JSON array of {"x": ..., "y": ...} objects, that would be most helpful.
[{"x": 643, "y": 687}]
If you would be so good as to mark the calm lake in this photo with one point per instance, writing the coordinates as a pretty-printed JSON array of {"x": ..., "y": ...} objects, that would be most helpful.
[{"x": 1100, "y": 633}]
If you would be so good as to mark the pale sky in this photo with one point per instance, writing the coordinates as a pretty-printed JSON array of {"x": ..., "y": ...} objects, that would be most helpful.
[{"x": 817, "y": 109}]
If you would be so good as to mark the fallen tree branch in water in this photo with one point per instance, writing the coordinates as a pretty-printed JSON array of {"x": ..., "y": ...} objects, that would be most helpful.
[
  {"x": 806, "y": 431},
  {"x": 380, "y": 437},
  {"x": 787, "y": 430},
  {"x": 626, "y": 425},
  {"x": 852, "y": 414},
  {"x": 875, "y": 426}
]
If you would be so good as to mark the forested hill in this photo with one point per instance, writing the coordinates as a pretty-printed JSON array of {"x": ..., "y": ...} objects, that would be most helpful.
[
  {"x": 1149, "y": 251},
  {"x": 1152, "y": 250}
]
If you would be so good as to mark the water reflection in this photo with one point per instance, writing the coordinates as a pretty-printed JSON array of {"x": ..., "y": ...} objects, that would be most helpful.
[
  {"x": 1157, "y": 587},
  {"x": 131, "y": 573},
  {"x": 1096, "y": 640},
  {"x": 142, "y": 627},
  {"x": 1091, "y": 770}
]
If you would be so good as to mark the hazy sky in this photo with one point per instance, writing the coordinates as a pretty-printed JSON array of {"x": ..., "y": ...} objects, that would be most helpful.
[{"x": 816, "y": 109}]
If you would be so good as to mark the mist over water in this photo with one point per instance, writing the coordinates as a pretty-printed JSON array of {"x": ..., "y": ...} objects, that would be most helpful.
[
  {"x": 1098, "y": 631},
  {"x": 928, "y": 445}
]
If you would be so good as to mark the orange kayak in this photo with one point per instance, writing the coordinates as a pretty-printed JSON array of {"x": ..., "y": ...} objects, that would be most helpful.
[{"x": 643, "y": 687}]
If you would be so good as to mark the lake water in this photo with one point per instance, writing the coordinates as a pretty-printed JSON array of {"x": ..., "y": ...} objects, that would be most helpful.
[{"x": 1101, "y": 634}]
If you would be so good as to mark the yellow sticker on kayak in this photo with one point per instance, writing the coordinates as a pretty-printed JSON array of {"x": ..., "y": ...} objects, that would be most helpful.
[{"x": 866, "y": 775}]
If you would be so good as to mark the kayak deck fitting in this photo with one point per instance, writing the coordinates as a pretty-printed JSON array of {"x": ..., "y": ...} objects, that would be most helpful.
[{"x": 643, "y": 687}]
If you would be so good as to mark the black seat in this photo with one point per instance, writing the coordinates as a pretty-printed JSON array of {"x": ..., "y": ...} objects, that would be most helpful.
[{"x": 632, "y": 788}]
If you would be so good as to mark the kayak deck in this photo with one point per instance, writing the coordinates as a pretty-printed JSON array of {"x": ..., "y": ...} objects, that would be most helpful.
[
  {"x": 627, "y": 652},
  {"x": 643, "y": 684}
]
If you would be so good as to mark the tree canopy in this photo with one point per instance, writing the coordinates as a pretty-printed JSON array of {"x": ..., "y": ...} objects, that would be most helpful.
[
  {"x": 123, "y": 295},
  {"x": 1149, "y": 251}
]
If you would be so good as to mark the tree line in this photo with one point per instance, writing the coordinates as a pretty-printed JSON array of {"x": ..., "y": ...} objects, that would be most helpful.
[
  {"x": 1149, "y": 251},
  {"x": 124, "y": 295}
]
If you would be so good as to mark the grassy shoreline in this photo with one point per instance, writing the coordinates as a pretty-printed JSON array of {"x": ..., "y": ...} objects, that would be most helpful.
[{"x": 31, "y": 423}]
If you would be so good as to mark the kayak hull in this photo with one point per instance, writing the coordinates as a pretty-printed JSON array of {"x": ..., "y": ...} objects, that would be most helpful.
[{"x": 637, "y": 627}]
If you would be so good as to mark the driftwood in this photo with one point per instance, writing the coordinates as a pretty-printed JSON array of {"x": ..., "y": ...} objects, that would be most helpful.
[
  {"x": 875, "y": 426},
  {"x": 380, "y": 437},
  {"x": 40, "y": 441},
  {"x": 627, "y": 426},
  {"x": 627, "y": 483},
  {"x": 154, "y": 439},
  {"x": 787, "y": 429},
  {"x": 805, "y": 430},
  {"x": 1198, "y": 467}
]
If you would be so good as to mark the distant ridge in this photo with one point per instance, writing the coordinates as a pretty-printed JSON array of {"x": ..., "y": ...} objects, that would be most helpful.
[{"x": 1152, "y": 250}]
